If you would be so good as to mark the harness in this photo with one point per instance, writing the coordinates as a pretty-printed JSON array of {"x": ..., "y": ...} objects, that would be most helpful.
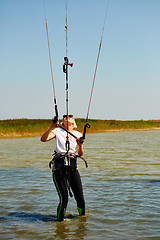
[
  {"x": 65, "y": 163},
  {"x": 69, "y": 160}
]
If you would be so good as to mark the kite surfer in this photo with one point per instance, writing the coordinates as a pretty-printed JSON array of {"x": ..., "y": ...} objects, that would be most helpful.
[{"x": 65, "y": 174}]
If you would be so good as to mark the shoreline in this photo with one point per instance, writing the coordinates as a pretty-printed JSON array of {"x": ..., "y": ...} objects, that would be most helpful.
[
  {"x": 30, "y": 135},
  {"x": 21, "y": 128}
]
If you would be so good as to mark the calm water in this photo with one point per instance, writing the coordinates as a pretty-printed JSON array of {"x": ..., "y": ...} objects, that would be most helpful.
[{"x": 121, "y": 188}]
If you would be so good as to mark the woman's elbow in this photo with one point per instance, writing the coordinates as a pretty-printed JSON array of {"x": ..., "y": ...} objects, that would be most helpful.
[{"x": 43, "y": 139}]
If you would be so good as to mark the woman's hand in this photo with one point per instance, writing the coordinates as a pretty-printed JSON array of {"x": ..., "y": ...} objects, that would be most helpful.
[
  {"x": 55, "y": 121},
  {"x": 80, "y": 141}
]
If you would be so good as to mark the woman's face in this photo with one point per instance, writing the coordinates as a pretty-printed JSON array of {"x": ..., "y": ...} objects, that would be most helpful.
[{"x": 68, "y": 118}]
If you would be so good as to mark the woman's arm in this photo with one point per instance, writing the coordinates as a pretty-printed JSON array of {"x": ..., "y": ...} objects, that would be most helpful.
[
  {"x": 48, "y": 134},
  {"x": 79, "y": 146}
]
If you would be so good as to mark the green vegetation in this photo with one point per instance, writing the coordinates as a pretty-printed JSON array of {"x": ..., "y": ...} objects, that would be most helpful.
[
  {"x": 35, "y": 127},
  {"x": 23, "y": 127}
]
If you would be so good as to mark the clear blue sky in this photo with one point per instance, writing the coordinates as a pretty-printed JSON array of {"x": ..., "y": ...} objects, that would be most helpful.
[{"x": 128, "y": 78}]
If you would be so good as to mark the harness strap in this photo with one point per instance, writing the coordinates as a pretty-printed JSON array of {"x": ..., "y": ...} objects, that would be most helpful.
[
  {"x": 83, "y": 160},
  {"x": 64, "y": 155}
]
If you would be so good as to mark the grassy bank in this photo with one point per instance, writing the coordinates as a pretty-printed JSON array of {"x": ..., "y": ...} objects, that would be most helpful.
[{"x": 35, "y": 127}]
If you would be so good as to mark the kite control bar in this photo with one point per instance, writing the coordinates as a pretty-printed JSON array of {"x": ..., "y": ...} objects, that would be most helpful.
[{"x": 84, "y": 131}]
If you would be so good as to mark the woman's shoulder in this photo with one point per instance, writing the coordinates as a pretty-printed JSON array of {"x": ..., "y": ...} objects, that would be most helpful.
[
  {"x": 77, "y": 134},
  {"x": 56, "y": 130}
]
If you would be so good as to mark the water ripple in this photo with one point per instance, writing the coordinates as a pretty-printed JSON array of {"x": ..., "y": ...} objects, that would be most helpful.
[{"x": 121, "y": 188}]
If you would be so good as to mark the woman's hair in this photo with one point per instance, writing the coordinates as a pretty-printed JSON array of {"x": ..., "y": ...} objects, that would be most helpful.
[{"x": 74, "y": 124}]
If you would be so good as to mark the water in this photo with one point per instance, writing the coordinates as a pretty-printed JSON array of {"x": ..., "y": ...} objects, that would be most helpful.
[{"x": 121, "y": 188}]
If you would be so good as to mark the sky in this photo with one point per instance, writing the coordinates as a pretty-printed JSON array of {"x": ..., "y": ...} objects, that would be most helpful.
[{"x": 127, "y": 83}]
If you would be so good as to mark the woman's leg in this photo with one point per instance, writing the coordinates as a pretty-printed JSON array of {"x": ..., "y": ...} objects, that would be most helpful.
[
  {"x": 76, "y": 185},
  {"x": 59, "y": 179}
]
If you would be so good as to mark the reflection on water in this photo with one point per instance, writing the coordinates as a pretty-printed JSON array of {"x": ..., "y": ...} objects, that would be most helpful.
[{"x": 121, "y": 188}]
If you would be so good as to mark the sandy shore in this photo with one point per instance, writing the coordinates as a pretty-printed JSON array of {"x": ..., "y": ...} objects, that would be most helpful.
[{"x": 38, "y": 134}]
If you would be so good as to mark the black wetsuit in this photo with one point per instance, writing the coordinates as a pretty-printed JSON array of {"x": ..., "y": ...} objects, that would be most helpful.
[{"x": 64, "y": 179}]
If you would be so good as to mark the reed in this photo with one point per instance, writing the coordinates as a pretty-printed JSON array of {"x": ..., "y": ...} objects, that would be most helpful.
[
  {"x": 109, "y": 125},
  {"x": 23, "y": 127},
  {"x": 35, "y": 127}
]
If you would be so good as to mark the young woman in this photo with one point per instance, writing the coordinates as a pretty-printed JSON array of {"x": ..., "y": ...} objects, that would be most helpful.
[{"x": 64, "y": 169}]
